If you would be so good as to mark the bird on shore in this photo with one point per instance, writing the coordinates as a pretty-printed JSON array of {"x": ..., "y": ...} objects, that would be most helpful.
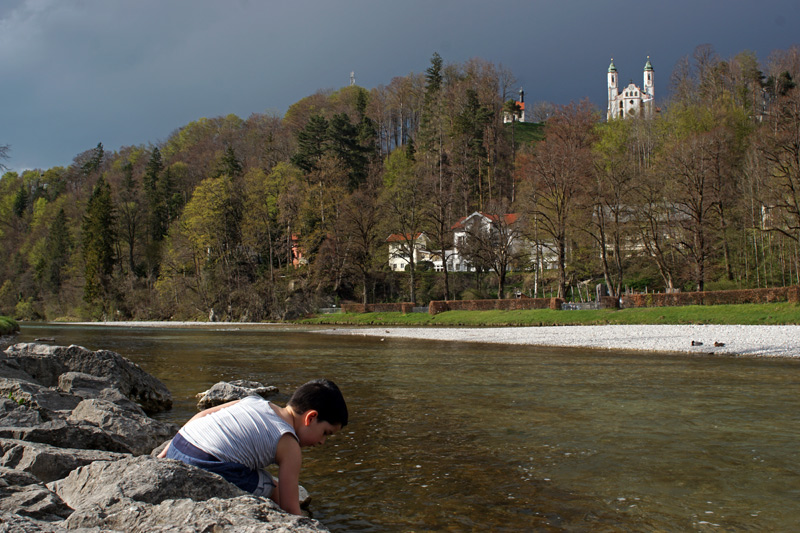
[
  {"x": 718, "y": 344},
  {"x": 697, "y": 343}
]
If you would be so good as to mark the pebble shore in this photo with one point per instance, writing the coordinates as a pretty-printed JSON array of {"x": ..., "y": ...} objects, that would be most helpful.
[
  {"x": 764, "y": 341},
  {"x": 761, "y": 341}
]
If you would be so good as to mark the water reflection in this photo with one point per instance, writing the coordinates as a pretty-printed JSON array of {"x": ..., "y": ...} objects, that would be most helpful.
[{"x": 454, "y": 437}]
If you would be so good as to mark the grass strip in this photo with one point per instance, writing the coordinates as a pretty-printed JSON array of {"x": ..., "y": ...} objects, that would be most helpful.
[{"x": 745, "y": 314}]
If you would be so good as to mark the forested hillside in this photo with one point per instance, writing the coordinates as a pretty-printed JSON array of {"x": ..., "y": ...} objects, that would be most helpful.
[{"x": 270, "y": 217}]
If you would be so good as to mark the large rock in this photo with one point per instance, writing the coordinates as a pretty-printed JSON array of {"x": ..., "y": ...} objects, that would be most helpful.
[
  {"x": 66, "y": 434},
  {"x": 89, "y": 387},
  {"x": 243, "y": 514},
  {"x": 41, "y": 398},
  {"x": 147, "y": 494},
  {"x": 136, "y": 430},
  {"x": 22, "y": 493},
  {"x": 48, "y": 463},
  {"x": 46, "y": 363},
  {"x": 226, "y": 391}
]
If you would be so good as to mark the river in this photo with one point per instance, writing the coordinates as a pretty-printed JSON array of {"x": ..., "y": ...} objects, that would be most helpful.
[{"x": 449, "y": 436}]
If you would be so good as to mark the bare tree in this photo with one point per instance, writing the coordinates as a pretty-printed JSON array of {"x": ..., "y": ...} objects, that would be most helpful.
[
  {"x": 555, "y": 173},
  {"x": 494, "y": 241}
]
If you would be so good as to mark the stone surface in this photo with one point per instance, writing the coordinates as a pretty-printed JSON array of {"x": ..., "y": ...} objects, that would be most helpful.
[
  {"x": 24, "y": 494},
  {"x": 148, "y": 494},
  {"x": 46, "y": 462},
  {"x": 226, "y": 391},
  {"x": 46, "y": 363},
  {"x": 62, "y": 433},
  {"x": 132, "y": 428}
]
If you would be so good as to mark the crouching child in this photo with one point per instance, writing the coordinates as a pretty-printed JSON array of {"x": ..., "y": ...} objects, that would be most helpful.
[{"x": 239, "y": 439}]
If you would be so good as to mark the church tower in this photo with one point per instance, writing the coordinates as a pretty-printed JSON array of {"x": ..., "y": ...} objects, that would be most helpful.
[
  {"x": 648, "y": 78},
  {"x": 612, "y": 90}
]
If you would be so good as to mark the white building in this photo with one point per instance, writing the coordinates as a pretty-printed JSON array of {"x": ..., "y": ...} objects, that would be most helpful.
[
  {"x": 521, "y": 116},
  {"x": 630, "y": 101},
  {"x": 399, "y": 246}
]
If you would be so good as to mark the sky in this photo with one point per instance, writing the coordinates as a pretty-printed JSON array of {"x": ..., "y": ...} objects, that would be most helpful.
[{"x": 130, "y": 72}]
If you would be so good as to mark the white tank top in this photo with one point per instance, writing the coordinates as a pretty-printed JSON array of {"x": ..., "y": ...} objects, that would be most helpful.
[{"x": 246, "y": 433}]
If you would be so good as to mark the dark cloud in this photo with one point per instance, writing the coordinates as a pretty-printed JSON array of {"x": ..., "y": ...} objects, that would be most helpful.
[{"x": 73, "y": 74}]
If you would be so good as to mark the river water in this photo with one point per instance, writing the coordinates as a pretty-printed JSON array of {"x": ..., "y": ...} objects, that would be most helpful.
[{"x": 448, "y": 436}]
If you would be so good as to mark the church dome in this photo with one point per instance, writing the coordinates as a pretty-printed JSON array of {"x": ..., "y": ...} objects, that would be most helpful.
[
  {"x": 612, "y": 68},
  {"x": 648, "y": 65}
]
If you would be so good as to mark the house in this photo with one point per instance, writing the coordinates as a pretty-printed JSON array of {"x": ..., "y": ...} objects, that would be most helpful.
[{"x": 399, "y": 246}]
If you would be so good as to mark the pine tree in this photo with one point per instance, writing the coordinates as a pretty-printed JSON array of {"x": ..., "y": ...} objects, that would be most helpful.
[
  {"x": 59, "y": 247},
  {"x": 97, "y": 239}
]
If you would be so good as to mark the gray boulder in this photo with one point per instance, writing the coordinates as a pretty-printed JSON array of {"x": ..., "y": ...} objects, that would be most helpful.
[
  {"x": 63, "y": 433},
  {"x": 13, "y": 413},
  {"x": 22, "y": 493},
  {"x": 46, "y": 363},
  {"x": 90, "y": 387},
  {"x": 48, "y": 463},
  {"x": 226, "y": 391},
  {"x": 133, "y": 428},
  {"x": 148, "y": 494},
  {"x": 41, "y": 398}
]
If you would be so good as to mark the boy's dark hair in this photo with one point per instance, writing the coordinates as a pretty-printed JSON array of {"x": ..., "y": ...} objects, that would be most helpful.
[{"x": 323, "y": 396}]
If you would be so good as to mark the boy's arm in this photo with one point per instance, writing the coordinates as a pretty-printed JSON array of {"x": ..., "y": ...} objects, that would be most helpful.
[{"x": 289, "y": 459}]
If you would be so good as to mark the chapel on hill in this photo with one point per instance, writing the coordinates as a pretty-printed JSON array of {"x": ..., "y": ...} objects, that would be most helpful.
[{"x": 630, "y": 101}]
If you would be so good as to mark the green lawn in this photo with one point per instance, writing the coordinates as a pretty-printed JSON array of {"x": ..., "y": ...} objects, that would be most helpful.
[
  {"x": 756, "y": 314},
  {"x": 8, "y": 325}
]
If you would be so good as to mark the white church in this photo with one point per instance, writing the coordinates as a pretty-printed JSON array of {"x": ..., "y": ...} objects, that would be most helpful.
[{"x": 630, "y": 101}]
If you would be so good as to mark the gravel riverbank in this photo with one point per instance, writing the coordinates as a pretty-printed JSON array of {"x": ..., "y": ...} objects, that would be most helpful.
[
  {"x": 770, "y": 341},
  {"x": 765, "y": 341}
]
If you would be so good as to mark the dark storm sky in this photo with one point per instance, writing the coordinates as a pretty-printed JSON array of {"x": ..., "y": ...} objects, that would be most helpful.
[{"x": 127, "y": 72}]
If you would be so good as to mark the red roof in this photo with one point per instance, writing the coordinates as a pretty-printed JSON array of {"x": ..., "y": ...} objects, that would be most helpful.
[
  {"x": 395, "y": 237},
  {"x": 509, "y": 218}
]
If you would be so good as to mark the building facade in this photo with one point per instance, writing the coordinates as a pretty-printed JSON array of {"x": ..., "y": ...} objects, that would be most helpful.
[{"x": 631, "y": 101}]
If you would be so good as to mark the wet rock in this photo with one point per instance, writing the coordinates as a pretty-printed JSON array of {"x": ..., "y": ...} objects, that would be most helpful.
[
  {"x": 46, "y": 363},
  {"x": 48, "y": 463},
  {"x": 133, "y": 428},
  {"x": 226, "y": 391},
  {"x": 22, "y": 493}
]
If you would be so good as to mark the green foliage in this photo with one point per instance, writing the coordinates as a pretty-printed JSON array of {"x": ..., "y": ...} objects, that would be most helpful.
[
  {"x": 8, "y": 325},
  {"x": 97, "y": 240}
]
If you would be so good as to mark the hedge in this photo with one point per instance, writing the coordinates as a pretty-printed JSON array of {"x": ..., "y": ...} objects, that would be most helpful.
[
  {"x": 403, "y": 307},
  {"x": 743, "y": 296},
  {"x": 440, "y": 306}
]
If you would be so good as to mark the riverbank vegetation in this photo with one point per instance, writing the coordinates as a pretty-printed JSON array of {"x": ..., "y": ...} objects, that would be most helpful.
[
  {"x": 749, "y": 314},
  {"x": 8, "y": 325},
  {"x": 269, "y": 218}
]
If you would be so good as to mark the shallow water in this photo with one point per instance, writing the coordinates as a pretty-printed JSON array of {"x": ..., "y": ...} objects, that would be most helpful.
[{"x": 462, "y": 436}]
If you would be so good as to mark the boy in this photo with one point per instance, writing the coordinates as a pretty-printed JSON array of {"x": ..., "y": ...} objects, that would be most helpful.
[{"x": 238, "y": 439}]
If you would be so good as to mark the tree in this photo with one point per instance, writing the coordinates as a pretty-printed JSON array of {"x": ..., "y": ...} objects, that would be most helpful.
[
  {"x": 97, "y": 240},
  {"x": 555, "y": 173},
  {"x": 4, "y": 150},
  {"x": 403, "y": 197},
  {"x": 59, "y": 249},
  {"x": 493, "y": 241}
]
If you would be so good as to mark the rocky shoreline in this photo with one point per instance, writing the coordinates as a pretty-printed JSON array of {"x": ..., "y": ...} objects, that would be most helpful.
[{"x": 77, "y": 452}]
